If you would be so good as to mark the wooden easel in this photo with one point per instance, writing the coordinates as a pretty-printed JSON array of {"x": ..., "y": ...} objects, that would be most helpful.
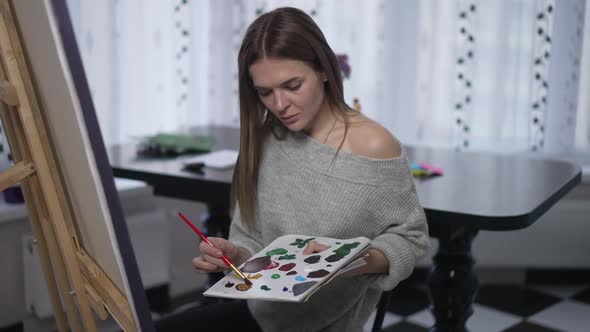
[{"x": 75, "y": 282}]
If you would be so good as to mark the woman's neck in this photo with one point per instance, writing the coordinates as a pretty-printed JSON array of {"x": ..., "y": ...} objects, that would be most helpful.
[{"x": 322, "y": 124}]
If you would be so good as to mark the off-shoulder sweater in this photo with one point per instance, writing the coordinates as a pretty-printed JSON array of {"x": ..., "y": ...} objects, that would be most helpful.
[{"x": 305, "y": 187}]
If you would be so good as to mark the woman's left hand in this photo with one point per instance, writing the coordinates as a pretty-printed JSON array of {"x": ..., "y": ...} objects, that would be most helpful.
[{"x": 377, "y": 263}]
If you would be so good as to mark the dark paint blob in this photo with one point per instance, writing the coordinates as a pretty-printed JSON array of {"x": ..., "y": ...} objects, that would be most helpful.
[
  {"x": 285, "y": 289},
  {"x": 264, "y": 287},
  {"x": 257, "y": 264},
  {"x": 287, "y": 267},
  {"x": 334, "y": 258},
  {"x": 229, "y": 284},
  {"x": 290, "y": 273},
  {"x": 302, "y": 287},
  {"x": 342, "y": 252},
  {"x": 312, "y": 259},
  {"x": 318, "y": 274}
]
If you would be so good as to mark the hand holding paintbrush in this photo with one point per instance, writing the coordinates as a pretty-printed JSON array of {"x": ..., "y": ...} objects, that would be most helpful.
[{"x": 224, "y": 258}]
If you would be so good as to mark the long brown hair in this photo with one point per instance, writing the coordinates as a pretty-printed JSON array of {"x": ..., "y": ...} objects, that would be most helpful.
[{"x": 282, "y": 33}]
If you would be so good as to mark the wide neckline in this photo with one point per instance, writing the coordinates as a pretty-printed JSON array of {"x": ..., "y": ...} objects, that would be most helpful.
[
  {"x": 321, "y": 158},
  {"x": 333, "y": 150}
]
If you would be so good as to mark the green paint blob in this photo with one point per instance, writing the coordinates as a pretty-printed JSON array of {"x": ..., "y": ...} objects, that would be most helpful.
[
  {"x": 264, "y": 287},
  {"x": 275, "y": 276},
  {"x": 287, "y": 257},
  {"x": 278, "y": 251},
  {"x": 342, "y": 252},
  {"x": 346, "y": 248},
  {"x": 300, "y": 243}
]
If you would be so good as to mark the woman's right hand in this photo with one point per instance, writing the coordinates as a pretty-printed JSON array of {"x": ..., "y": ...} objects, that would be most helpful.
[{"x": 210, "y": 258}]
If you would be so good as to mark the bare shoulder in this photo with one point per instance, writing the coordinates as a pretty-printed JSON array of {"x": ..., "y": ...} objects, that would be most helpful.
[{"x": 369, "y": 139}]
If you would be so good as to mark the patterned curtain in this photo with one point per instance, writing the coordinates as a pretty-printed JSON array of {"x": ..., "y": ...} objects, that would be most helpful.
[
  {"x": 496, "y": 75},
  {"x": 497, "y": 66}
]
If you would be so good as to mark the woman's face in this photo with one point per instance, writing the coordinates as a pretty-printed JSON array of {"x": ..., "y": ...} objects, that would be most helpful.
[{"x": 290, "y": 89}]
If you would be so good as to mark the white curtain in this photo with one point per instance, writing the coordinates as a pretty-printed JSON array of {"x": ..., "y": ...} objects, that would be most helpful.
[
  {"x": 134, "y": 60},
  {"x": 582, "y": 140},
  {"x": 456, "y": 73}
]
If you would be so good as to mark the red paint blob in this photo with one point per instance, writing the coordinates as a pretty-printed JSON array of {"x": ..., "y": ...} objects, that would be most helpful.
[{"x": 287, "y": 267}]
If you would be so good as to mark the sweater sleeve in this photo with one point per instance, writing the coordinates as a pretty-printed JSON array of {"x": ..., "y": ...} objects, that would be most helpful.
[
  {"x": 405, "y": 237},
  {"x": 243, "y": 236}
]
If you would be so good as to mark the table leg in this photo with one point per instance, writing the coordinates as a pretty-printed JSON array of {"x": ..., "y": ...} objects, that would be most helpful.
[
  {"x": 217, "y": 221},
  {"x": 453, "y": 283}
]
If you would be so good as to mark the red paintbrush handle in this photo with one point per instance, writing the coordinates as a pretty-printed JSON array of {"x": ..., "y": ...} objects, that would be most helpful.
[{"x": 224, "y": 258}]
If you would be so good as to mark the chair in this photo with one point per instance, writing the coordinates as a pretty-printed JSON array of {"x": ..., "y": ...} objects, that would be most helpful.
[{"x": 381, "y": 309}]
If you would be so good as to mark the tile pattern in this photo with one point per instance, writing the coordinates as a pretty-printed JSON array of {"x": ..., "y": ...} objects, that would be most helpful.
[
  {"x": 551, "y": 307},
  {"x": 551, "y": 301},
  {"x": 498, "y": 308}
]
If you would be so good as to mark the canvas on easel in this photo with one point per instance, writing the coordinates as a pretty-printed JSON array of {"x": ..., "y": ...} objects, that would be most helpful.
[{"x": 62, "y": 165}]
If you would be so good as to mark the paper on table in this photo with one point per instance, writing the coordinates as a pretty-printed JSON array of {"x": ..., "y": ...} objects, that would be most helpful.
[{"x": 216, "y": 159}]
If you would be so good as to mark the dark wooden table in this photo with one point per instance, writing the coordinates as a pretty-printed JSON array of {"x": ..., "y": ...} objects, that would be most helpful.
[
  {"x": 168, "y": 178},
  {"x": 479, "y": 191}
]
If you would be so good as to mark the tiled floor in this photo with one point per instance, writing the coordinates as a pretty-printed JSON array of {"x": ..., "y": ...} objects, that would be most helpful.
[
  {"x": 499, "y": 308},
  {"x": 554, "y": 307}
]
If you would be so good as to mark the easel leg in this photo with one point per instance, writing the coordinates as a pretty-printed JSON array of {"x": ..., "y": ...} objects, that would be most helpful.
[
  {"x": 59, "y": 265},
  {"x": 12, "y": 132},
  {"x": 50, "y": 277}
]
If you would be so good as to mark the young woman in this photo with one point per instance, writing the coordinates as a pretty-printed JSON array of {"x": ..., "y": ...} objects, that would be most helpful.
[{"x": 311, "y": 165}]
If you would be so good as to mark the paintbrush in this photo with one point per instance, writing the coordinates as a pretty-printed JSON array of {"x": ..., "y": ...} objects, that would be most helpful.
[{"x": 224, "y": 258}]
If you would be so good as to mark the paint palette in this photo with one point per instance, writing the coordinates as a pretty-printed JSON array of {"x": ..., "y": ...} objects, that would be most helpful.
[{"x": 281, "y": 272}]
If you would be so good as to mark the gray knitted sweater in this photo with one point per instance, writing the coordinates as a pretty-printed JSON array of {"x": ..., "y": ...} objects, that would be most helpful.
[{"x": 302, "y": 189}]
